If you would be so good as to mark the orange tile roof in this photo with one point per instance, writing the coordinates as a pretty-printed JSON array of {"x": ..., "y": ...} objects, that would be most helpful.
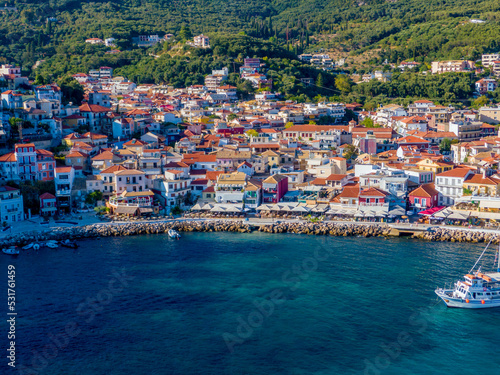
[
  {"x": 457, "y": 172},
  {"x": 9, "y": 157},
  {"x": 426, "y": 190},
  {"x": 479, "y": 179},
  {"x": 113, "y": 169}
]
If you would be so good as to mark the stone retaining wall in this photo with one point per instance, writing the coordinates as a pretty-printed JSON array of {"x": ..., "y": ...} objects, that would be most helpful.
[{"x": 331, "y": 229}]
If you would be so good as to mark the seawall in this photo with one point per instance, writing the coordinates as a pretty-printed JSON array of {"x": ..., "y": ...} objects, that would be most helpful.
[{"x": 328, "y": 229}]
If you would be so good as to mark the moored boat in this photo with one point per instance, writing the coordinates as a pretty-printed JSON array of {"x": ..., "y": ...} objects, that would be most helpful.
[
  {"x": 478, "y": 290},
  {"x": 174, "y": 234},
  {"x": 13, "y": 250},
  {"x": 70, "y": 244},
  {"x": 52, "y": 244}
]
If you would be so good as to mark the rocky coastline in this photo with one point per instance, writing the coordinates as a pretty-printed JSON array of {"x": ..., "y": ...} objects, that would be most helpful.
[{"x": 327, "y": 229}]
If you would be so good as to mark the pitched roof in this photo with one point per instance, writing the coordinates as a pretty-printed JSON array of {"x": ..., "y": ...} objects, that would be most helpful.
[
  {"x": 135, "y": 143},
  {"x": 113, "y": 169},
  {"x": 336, "y": 177},
  {"x": 374, "y": 192},
  {"x": 47, "y": 196},
  {"x": 275, "y": 178},
  {"x": 129, "y": 172},
  {"x": 93, "y": 108},
  {"x": 426, "y": 190},
  {"x": 479, "y": 179},
  {"x": 349, "y": 191},
  {"x": 63, "y": 169},
  {"x": 8, "y": 157},
  {"x": 457, "y": 172},
  {"x": 105, "y": 155}
]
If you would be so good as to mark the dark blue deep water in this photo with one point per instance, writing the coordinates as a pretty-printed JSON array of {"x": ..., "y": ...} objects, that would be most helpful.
[{"x": 223, "y": 303}]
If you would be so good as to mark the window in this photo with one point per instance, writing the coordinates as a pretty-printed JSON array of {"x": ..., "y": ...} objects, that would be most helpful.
[{"x": 417, "y": 200}]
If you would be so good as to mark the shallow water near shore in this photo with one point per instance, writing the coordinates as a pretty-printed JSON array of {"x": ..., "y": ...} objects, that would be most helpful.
[{"x": 202, "y": 305}]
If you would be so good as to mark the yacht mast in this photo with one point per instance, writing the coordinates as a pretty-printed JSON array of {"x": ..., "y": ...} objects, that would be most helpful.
[
  {"x": 488, "y": 245},
  {"x": 498, "y": 256}
]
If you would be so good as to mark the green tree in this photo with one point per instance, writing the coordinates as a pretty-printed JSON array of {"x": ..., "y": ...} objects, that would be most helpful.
[
  {"x": 72, "y": 90},
  {"x": 93, "y": 197},
  {"x": 252, "y": 133},
  {"x": 39, "y": 80},
  {"x": 480, "y": 102},
  {"x": 232, "y": 116},
  {"x": 445, "y": 145},
  {"x": 319, "y": 80},
  {"x": 185, "y": 33},
  {"x": 343, "y": 83},
  {"x": 367, "y": 122},
  {"x": 288, "y": 125},
  {"x": 350, "y": 152}
]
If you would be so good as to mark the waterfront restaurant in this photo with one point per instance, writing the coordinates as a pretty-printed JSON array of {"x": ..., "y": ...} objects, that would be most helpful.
[{"x": 132, "y": 203}]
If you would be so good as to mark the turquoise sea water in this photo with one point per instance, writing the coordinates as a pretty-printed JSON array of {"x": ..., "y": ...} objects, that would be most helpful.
[{"x": 223, "y": 303}]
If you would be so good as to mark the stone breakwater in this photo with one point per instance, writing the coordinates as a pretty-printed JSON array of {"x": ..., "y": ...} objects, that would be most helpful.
[
  {"x": 329, "y": 229},
  {"x": 448, "y": 235}
]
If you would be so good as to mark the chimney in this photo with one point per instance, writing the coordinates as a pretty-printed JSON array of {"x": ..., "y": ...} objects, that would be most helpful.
[
  {"x": 352, "y": 124},
  {"x": 484, "y": 172}
]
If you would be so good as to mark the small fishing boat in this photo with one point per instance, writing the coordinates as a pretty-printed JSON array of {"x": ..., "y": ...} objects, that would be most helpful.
[
  {"x": 13, "y": 250},
  {"x": 52, "y": 245},
  {"x": 174, "y": 234},
  {"x": 70, "y": 244},
  {"x": 28, "y": 246},
  {"x": 478, "y": 290}
]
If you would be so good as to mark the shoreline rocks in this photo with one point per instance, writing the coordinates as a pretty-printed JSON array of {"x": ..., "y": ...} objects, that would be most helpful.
[
  {"x": 457, "y": 235},
  {"x": 99, "y": 230}
]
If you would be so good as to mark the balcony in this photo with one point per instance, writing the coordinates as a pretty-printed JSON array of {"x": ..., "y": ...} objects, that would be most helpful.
[
  {"x": 124, "y": 204},
  {"x": 228, "y": 196},
  {"x": 151, "y": 170},
  {"x": 63, "y": 192},
  {"x": 366, "y": 204}
]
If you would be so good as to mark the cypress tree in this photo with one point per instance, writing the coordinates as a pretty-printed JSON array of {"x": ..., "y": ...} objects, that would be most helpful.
[{"x": 319, "y": 80}]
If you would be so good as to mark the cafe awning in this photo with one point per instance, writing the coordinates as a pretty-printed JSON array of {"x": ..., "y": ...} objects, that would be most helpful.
[
  {"x": 196, "y": 207},
  {"x": 431, "y": 211},
  {"x": 128, "y": 210}
]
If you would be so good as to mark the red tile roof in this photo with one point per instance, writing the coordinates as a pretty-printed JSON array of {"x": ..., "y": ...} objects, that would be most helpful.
[{"x": 426, "y": 190}]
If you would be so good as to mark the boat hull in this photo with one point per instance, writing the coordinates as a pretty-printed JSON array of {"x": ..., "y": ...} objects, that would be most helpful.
[{"x": 463, "y": 304}]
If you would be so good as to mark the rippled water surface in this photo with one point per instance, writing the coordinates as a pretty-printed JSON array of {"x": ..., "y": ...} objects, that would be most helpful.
[{"x": 223, "y": 303}]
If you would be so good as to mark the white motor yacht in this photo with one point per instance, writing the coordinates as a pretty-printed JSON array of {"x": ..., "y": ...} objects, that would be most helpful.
[{"x": 478, "y": 290}]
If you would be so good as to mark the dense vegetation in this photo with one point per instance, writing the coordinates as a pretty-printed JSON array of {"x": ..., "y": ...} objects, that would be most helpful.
[{"x": 397, "y": 30}]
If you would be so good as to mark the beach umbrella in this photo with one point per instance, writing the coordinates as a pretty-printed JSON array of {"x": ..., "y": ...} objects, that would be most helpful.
[
  {"x": 320, "y": 208},
  {"x": 233, "y": 209},
  {"x": 218, "y": 209},
  {"x": 207, "y": 206},
  {"x": 196, "y": 207},
  {"x": 359, "y": 214},
  {"x": 457, "y": 216},
  {"x": 263, "y": 207},
  {"x": 331, "y": 212},
  {"x": 443, "y": 213},
  {"x": 398, "y": 211},
  {"x": 380, "y": 214},
  {"x": 300, "y": 209},
  {"x": 369, "y": 214}
]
